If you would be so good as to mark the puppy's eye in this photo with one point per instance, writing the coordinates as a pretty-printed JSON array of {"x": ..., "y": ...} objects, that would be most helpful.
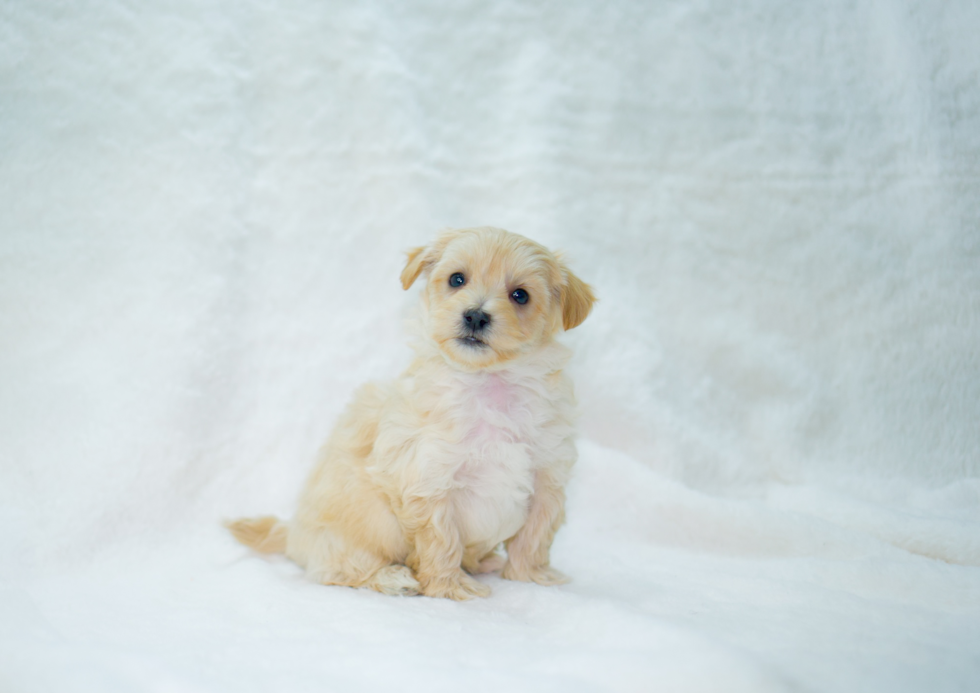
[
  {"x": 457, "y": 280},
  {"x": 519, "y": 295}
]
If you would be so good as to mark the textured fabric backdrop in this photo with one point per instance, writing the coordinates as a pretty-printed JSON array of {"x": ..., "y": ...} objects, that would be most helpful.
[{"x": 203, "y": 212}]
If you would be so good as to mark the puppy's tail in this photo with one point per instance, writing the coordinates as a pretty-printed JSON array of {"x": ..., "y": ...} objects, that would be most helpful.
[{"x": 264, "y": 534}]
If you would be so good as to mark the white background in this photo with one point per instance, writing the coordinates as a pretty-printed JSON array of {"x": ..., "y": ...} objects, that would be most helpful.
[{"x": 203, "y": 213}]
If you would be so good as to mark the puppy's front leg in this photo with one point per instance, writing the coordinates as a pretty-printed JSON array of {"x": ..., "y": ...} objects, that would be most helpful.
[
  {"x": 438, "y": 551},
  {"x": 527, "y": 551}
]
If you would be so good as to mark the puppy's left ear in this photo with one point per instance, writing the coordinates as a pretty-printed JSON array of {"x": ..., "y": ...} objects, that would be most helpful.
[
  {"x": 576, "y": 299},
  {"x": 414, "y": 266}
]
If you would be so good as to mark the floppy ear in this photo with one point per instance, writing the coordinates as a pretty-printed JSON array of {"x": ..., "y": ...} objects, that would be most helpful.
[
  {"x": 414, "y": 266},
  {"x": 576, "y": 299},
  {"x": 424, "y": 257}
]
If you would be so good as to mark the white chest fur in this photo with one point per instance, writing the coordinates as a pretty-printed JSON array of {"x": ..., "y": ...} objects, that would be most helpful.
[
  {"x": 495, "y": 420},
  {"x": 480, "y": 438}
]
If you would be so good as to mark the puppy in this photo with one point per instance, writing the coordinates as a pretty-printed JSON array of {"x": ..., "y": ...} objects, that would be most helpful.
[{"x": 423, "y": 478}]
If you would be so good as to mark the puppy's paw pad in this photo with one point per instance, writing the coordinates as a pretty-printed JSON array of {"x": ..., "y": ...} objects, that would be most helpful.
[
  {"x": 541, "y": 575},
  {"x": 491, "y": 563},
  {"x": 396, "y": 580}
]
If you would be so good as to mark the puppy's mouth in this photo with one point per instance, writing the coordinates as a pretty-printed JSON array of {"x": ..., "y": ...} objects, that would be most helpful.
[{"x": 471, "y": 341}]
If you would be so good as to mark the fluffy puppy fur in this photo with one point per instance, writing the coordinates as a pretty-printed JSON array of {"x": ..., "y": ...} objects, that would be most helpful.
[{"x": 423, "y": 478}]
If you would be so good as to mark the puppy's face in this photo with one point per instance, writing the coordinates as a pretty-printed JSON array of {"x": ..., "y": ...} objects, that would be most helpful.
[{"x": 493, "y": 296}]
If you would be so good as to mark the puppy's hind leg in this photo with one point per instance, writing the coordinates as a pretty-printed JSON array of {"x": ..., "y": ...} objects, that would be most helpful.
[
  {"x": 397, "y": 580},
  {"x": 330, "y": 559}
]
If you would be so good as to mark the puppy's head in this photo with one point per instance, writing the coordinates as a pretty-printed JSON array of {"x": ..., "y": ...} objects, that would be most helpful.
[{"x": 493, "y": 296}]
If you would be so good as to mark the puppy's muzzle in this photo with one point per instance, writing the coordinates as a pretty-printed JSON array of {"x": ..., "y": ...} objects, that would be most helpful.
[{"x": 475, "y": 321}]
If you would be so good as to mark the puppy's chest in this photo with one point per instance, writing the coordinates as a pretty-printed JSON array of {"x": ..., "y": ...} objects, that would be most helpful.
[
  {"x": 497, "y": 426},
  {"x": 491, "y": 414}
]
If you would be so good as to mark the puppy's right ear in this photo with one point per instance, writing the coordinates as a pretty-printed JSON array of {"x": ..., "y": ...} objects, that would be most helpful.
[
  {"x": 414, "y": 266},
  {"x": 424, "y": 257}
]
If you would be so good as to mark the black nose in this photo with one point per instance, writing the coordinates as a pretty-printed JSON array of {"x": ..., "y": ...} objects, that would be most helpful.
[{"x": 475, "y": 320}]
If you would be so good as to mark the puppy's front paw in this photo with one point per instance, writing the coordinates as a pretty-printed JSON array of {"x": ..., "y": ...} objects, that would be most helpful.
[
  {"x": 458, "y": 587},
  {"x": 542, "y": 575}
]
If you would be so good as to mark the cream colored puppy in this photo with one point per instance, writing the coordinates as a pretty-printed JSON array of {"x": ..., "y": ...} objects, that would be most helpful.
[{"x": 423, "y": 478}]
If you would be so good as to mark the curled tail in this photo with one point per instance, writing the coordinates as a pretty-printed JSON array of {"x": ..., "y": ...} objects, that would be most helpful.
[{"x": 264, "y": 534}]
